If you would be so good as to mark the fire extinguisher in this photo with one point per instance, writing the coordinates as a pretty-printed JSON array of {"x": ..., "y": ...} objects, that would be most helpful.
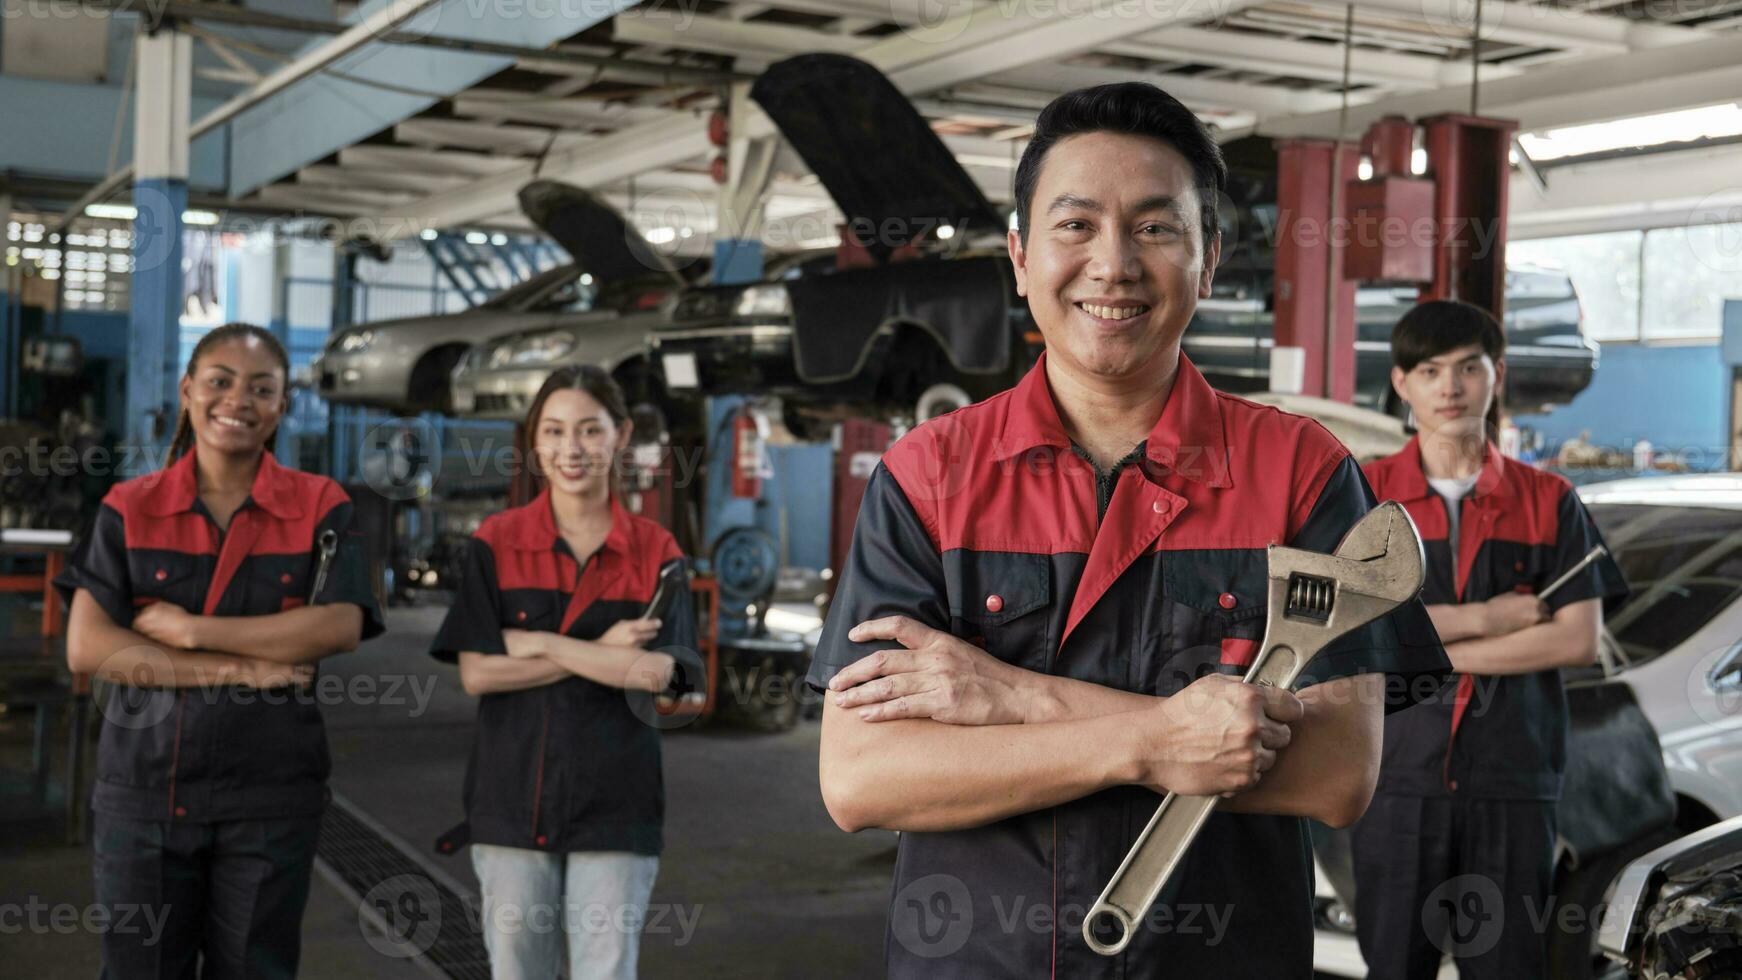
[{"x": 749, "y": 433}]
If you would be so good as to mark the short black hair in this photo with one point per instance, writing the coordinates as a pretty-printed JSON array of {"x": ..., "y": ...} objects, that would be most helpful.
[
  {"x": 1437, "y": 326},
  {"x": 1135, "y": 108}
]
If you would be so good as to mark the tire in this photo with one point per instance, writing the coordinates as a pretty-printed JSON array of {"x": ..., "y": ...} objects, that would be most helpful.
[{"x": 1572, "y": 952}]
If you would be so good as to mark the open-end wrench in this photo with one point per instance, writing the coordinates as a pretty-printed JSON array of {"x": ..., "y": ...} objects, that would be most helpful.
[{"x": 1314, "y": 599}]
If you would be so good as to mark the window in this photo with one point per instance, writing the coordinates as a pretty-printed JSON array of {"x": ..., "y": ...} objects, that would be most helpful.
[
  {"x": 1605, "y": 271},
  {"x": 1689, "y": 272}
]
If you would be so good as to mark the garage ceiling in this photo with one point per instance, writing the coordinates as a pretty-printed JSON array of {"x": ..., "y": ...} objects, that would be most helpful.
[{"x": 980, "y": 70}]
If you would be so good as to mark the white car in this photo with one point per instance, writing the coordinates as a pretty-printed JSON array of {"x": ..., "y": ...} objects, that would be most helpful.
[{"x": 1676, "y": 642}]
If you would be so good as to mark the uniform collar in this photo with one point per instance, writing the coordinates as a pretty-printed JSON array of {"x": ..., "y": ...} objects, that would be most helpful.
[
  {"x": 541, "y": 532},
  {"x": 177, "y": 487},
  {"x": 1188, "y": 439},
  {"x": 1412, "y": 483}
]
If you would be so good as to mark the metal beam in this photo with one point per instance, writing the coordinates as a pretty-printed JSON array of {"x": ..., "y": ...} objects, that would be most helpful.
[
  {"x": 1590, "y": 90},
  {"x": 358, "y": 35},
  {"x": 1610, "y": 196},
  {"x": 1532, "y": 25}
]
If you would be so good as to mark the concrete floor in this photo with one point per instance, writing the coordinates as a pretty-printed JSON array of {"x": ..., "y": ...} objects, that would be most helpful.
[{"x": 771, "y": 887}]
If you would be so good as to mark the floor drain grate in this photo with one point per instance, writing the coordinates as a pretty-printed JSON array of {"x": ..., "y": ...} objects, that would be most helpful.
[{"x": 411, "y": 910}]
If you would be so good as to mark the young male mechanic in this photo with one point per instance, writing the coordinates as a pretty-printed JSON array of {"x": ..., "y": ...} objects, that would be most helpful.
[
  {"x": 1048, "y": 595},
  {"x": 1463, "y": 823}
]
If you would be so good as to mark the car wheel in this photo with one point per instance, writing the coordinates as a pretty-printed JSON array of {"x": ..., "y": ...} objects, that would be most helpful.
[{"x": 1572, "y": 940}]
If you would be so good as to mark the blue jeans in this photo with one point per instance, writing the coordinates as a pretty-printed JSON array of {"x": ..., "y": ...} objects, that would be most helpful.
[{"x": 533, "y": 899}]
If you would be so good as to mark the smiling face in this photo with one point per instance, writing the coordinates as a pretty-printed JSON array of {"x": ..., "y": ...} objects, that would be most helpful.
[
  {"x": 1115, "y": 258},
  {"x": 575, "y": 439},
  {"x": 1450, "y": 393},
  {"x": 235, "y": 396}
]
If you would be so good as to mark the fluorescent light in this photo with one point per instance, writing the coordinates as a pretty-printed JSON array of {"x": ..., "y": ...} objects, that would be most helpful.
[
  {"x": 198, "y": 218},
  {"x": 946, "y": 232},
  {"x": 1680, "y": 126},
  {"x": 661, "y": 235},
  {"x": 1365, "y": 170},
  {"x": 477, "y": 238},
  {"x": 1418, "y": 161},
  {"x": 586, "y": 278},
  {"x": 125, "y": 212},
  {"x": 498, "y": 239},
  {"x": 428, "y": 234}
]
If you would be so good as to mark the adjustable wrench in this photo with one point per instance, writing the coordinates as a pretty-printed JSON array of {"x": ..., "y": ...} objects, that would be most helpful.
[{"x": 1314, "y": 599}]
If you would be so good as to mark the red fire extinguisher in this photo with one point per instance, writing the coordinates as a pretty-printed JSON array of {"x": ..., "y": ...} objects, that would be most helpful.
[{"x": 748, "y": 436}]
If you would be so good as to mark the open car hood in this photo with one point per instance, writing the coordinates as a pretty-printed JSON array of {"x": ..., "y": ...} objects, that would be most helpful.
[
  {"x": 593, "y": 232},
  {"x": 878, "y": 158}
]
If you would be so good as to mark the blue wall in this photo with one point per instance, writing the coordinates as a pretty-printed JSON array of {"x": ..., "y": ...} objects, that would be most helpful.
[{"x": 1676, "y": 397}]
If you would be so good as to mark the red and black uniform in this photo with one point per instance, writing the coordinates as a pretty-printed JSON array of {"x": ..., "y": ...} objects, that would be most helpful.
[
  {"x": 985, "y": 523},
  {"x": 573, "y": 765},
  {"x": 208, "y": 800},
  {"x": 1470, "y": 779}
]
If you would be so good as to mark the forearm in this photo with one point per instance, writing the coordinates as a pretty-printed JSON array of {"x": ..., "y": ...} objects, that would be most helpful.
[
  {"x": 1327, "y": 772},
  {"x": 483, "y": 673},
  {"x": 604, "y": 663},
  {"x": 121, "y": 656},
  {"x": 922, "y": 775},
  {"x": 1544, "y": 646},
  {"x": 1455, "y": 623},
  {"x": 294, "y": 636}
]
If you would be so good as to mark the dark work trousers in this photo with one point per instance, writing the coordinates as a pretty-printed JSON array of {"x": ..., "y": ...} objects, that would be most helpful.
[
  {"x": 209, "y": 900},
  {"x": 1468, "y": 878}
]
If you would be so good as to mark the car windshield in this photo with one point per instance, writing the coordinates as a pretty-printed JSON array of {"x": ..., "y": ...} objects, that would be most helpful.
[{"x": 1684, "y": 565}]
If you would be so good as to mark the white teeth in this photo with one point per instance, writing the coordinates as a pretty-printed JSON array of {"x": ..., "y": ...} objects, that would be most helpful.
[
  {"x": 1112, "y": 312},
  {"x": 232, "y": 423}
]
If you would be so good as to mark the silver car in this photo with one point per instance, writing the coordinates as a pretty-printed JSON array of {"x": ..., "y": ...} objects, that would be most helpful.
[{"x": 406, "y": 366}]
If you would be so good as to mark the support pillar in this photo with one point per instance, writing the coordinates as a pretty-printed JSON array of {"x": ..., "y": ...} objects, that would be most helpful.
[
  {"x": 162, "y": 100},
  {"x": 743, "y": 196},
  {"x": 1317, "y": 349},
  {"x": 1467, "y": 159}
]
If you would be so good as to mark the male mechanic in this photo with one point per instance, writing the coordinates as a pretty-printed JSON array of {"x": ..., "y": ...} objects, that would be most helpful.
[
  {"x": 1049, "y": 595},
  {"x": 1463, "y": 823}
]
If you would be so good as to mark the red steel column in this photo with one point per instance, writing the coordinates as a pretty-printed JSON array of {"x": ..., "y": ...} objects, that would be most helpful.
[
  {"x": 1309, "y": 261},
  {"x": 1467, "y": 157}
]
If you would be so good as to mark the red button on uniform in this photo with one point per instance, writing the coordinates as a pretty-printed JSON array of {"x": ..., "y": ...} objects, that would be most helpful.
[
  {"x": 1453, "y": 785},
  {"x": 539, "y": 840},
  {"x": 994, "y": 603},
  {"x": 181, "y": 811},
  {"x": 161, "y": 575},
  {"x": 285, "y": 578},
  {"x": 1158, "y": 506},
  {"x": 1227, "y": 600},
  {"x": 521, "y": 615}
]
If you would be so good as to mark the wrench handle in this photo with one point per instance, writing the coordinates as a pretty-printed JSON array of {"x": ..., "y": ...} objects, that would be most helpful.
[{"x": 1158, "y": 851}]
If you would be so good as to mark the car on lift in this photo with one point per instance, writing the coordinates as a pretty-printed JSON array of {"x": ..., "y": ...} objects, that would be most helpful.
[
  {"x": 1549, "y": 360},
  {"x": 498, "y": 379},
  {"x": 1671, "y": 661},
  {"x": 615, "y": 286},
  {"x": 920, "y": 300}
]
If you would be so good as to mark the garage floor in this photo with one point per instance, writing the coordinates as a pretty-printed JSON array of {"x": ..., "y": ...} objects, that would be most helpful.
[{"x": 769, "y": 885}]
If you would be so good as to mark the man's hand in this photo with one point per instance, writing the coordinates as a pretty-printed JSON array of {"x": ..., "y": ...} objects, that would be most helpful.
[
  {"x": 938, "y": 676},
  {"x": 524, "y": 643},
  {"x": 168, "y": 624},
  {"x": 1215, "y": 737},
  {"x": 631, "y": 633},
  {"x": 1506, "y": 614}
]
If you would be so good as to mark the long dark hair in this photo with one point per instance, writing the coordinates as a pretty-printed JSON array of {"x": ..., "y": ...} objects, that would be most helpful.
[
  {"x": 1437, "y": 326},
  {"x": 184, "y": 426},
  {"x": 593, "y": 380}
]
